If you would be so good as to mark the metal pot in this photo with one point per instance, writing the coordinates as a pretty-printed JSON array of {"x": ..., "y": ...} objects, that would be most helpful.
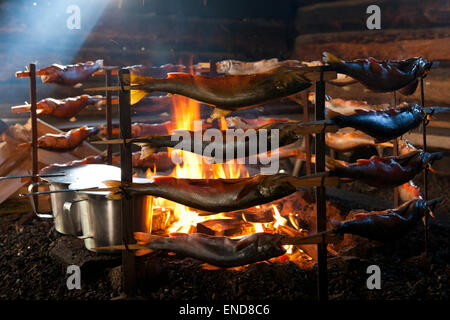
[
  {"x": 67, "y": 220},
  {"x": 100, "y": 217}
]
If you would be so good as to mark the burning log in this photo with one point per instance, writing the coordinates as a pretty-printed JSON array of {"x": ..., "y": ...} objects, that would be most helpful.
[
  {"x": 384, "y": 172},
  {"x": 224, "y": 227},
  {"x": 220, "y": 195},
  {"x": 61, "y": 108},
  {"x": 68, "y": 75},
  {"x": 383, "y": 76}
]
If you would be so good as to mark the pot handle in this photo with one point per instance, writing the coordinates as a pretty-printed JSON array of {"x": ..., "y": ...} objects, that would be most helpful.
[
  {"x": 33, "y": 206},
  {"x": 67, "y": 207}
]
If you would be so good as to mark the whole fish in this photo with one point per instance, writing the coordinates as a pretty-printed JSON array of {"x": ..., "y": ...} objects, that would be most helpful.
[
  {"x": 219, "y": 195},
  {"x": 66, "y": 141},
  {"x": 61, "y": 108},
  {"x": 383, "y": 125},
  {"x": 69, "y": 75},
  {"x": 160, "y": 161},
  {"x": 233, "y": 67},
  {"x": 157, "y": 72},
  {"x": 218, "y": 251},
  {"x": 389, "y": 224},
  {"x": 346, "y": 141},
  {"x": 248, "y": 142},
  {"x": 383, "y": 76},
  {"x": 387, "y": 171},
  {"x": 225, "y": 93},
  {"x": 98, "y": 159}
]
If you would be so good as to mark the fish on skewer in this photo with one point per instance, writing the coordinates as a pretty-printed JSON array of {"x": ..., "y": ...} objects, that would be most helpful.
[
  {"x": 346, "y": 141},
  {"x": 69, "y": 75},
  {"x": 66, "y": 141},
  {"x": 235, "y": 67},
  {"x": 98, "y": 159},
  {"x": 224, "y": 252},
  {"x": 383, "y": 76},
  {"x": 389, "y": 224},
  {"x": 386, "y": 171},
  {"x": 288, "y": 132},
  {"x": 384, "y": 125},
  {"x": 219, "y": 195},
  {"x": 225, "y": 93},
  {"x": 244, "y": 123},
  {"x": 61, "y": 108}
]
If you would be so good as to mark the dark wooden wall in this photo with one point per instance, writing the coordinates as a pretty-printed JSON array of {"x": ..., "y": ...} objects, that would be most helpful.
[
  {"x": 409, "y": 28},
  {"x": 145, "y": 32}
]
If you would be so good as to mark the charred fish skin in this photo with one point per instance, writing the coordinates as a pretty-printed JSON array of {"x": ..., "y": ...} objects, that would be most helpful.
[
  {"x": 218, "y": 195},
  {"x": 386, "y": 124},
  {"x": 233, "y": 92},
  {"x": 222, "y": 251},
  {"x": 382, "y": 76},
  {"x": 390, "y": 224},
  {"x": 386, "y": 172},
  {"x": 70, "y": 74}
]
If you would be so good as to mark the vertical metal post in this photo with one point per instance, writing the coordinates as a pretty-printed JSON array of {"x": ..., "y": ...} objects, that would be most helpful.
[
  {"x": 425, "y": 171},
  {"x": 395, "y": 153},
  {"x": 34, "y": 133},
  {"x": 307, "y": 137},
  {"x": 128, "y": 259},
  {"x": 321, "y": 214},
  {"x": 108, "y": 117}
]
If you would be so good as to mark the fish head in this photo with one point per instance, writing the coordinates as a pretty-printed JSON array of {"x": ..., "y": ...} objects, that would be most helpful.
[
  {"x": 223, "y": 66},
  {"x": 418, "y": 112},
  {"x": 423, "y": 207},
  {"x": 50, "y": 74},
  {"x": 269, "y": 244},
  {"x": 276, "y": 186},
  {"x": 427, "y": 159},
  {"x": 423, "y": 66}
]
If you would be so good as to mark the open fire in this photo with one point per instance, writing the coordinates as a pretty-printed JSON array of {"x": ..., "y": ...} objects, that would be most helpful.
[{"x": 166, "y": 217}]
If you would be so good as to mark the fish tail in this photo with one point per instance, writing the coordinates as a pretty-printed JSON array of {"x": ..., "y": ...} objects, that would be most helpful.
[
  {"x": 331, "y": 59},
  {"x": 139, "y": 94},
  {"x": 113, "y": 195},
  {"x": 219, "y": 113},
  {"x": 333, "y": 164}
]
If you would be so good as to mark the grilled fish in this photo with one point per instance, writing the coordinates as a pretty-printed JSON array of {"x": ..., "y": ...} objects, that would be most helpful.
[
  {"x": 383, "y": 76},
  {"x": 69, "y": 75},
  {"x": 383, "y": 125},
  {"x": 234, "y": 67},
  {"x": 384, "y": 172},
  {"x": 225, "y": 93},
  {"x": 219, "y": 195},
  {"x": 345, "y": 141},
  {"x": 61, "y": 108},
  {"x": 390, "y": 224},
  {"x": 66, "y": 141}
]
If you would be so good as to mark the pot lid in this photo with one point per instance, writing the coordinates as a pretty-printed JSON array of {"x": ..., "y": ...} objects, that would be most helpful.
[
  {"x": 82, "y": 184},
  {"x": 89, "y": 174}
]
